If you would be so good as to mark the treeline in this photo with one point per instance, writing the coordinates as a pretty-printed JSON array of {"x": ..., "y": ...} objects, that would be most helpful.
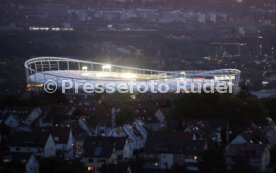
[{"x": 239, "y": 111}]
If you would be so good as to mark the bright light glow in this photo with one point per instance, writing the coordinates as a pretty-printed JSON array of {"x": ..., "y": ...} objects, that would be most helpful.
[
  {"x": 84, "y": 68},
  {"x": 102, "y": 75},
  {"x": 90, "y": 168},
  {"x": 115, "y": 75},
  {"x": 195, "y": 157},
  {"x": 85, "y": 74},
  {"x": 106, "y": 66},
  {"x": 133, "y": 96},
  {"x": 225, "y": 77},
  {"x": 6, "y": 160},
  {"x": 122, "y": 75},
  {"x": 129, "y": 75}
]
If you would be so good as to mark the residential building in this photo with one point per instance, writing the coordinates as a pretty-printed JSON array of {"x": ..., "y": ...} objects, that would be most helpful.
[
  {"x": 163, "y": 150},
  {"x": 257, "y": 156},
  {"x": 52, "y": 116},
  {"x": 250, "y": 137},
  {"x": 20, "y": 116},
  {"x": 97, "y": 119},
  {"x": 136, "y": 133},
  {"x": 9, "y": 120},
  {"x": 64, "y": 140},
  {"x": 104, "y": 150},
  {"x": 25, "y": 161},
  {"x": 40, "y": 143}
]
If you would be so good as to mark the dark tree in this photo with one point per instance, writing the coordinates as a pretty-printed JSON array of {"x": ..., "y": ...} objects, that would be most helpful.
[{"x": 126, "y": 115}]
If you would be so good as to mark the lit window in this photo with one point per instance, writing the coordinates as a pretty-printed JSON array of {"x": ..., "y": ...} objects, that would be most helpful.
[
  {"x": 90, "y": 168},
  {"x": 6, "y": 160},
  {"x": 23, "y": 161}
]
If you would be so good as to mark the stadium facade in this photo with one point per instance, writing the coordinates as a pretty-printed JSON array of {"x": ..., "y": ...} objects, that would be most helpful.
[{"x": 42, "y": 69}]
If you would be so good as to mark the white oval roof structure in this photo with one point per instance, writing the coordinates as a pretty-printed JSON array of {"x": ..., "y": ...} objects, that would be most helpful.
[{"x": 42, "y": 69}]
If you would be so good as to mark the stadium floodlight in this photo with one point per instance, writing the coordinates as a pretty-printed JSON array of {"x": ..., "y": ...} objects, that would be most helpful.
[
  {"x": 129, "y": 76},
  {"x": 84, "y": 68},
  {"x": 183, "y": 73},
  {"x": 106, "y": 67}
]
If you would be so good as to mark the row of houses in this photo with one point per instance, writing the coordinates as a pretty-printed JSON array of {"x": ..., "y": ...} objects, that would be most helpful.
[
  {"x": 61, "y": 17},
  {"x": 26, "y": 148},
  {"x": 253, "y": 145},
  {"x": 160, "y": 151},
  {"x": 44, "y": 142},
  {"x": 152, "y": 15},
  {"x": 147, "y": 14},
  {"x": 89, "y": 133},
  {"x": 14, "y": 117}
]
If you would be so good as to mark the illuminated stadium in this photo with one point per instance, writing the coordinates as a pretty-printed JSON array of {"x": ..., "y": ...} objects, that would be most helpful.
[{"x": 42, "y": 69}]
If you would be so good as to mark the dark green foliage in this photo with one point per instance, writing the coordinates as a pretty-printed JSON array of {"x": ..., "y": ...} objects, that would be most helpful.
[
  {"x": 41, "y": 99},
  {"x": 55, "y": 165},
  {"x": 114, "y": 168},
  {"x": 270, "y": 105},
  {"x": 242, "y": 166},
  {"x": 273, "y": 158},
  {"x": 4, "y": 129},
  {"x": 213, "y": 159},
  {"x": 126, "y": 115},
  {"x": 240, "y": 112},
  {"x": 178, "y": 169}
]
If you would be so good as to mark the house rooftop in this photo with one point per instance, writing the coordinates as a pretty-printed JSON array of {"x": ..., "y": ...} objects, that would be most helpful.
[
  {"x": 53, "y": 114},
  {"x": 98, "y": 114},
  {"x": 174, "y": 142},
  {"x": 15, "y": 155},
  {"x": 59, "y": 134},
  {"x": 20, "y": 157},
  {"x": 250, "y": 150},
  {"x": 20, "y": 112},
  {"x": 102, "y": 147},
  {"x": 254, "y": 136},
  {"x": 28, "y": 139}
]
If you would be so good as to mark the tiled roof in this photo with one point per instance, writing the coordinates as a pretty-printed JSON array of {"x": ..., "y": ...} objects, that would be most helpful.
[
  {"x": 174, "y": 142},
  {"x": 76, "y": 129},
  {"x": 102, "y": 147},
  {"x": 16, "y": 157},
  {"x": 28, "y": 139},
  {"x": 97, "y": 114},
  {"x": 59, "y": 134},
  {"x": 167, "y": 112},
  {"x": 251, "y": 150},
  {"x": 54, "y": 114},
  {"x": 254, "y": 137},
  {"x": 20, "y": 112}
]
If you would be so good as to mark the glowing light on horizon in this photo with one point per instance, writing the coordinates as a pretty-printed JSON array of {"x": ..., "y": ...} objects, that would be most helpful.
[
  {"x": 129, "y": 75},
  {"x": 84, "y": 68},
  {"x": 106, "y": 66}
]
